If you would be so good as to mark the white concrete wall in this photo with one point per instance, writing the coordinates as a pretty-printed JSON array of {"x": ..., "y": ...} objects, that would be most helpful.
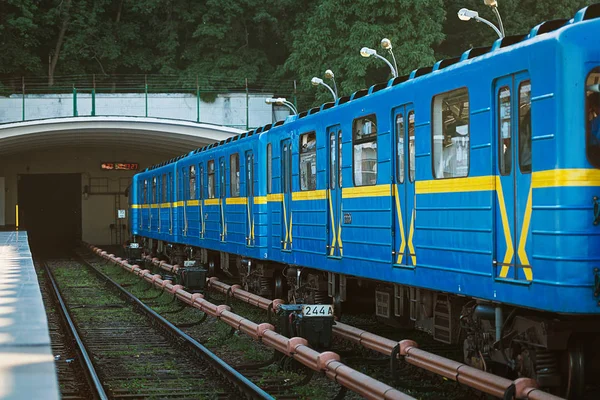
[
  {"x": 228, "y": 109},
  {"x": 98, "y": 211}
]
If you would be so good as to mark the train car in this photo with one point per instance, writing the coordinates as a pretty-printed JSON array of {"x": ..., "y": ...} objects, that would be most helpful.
[
  {"x": 154, "y": 217},
  {"x": 464, "y": 195},
  {"x": 221, "y": 188}
]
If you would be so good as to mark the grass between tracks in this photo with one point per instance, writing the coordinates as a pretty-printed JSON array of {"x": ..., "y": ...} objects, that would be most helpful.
[
  {"x": 250, "y": 357},
  {"x": 136, "y": 366},
  {"x": 237, "y": 348}
]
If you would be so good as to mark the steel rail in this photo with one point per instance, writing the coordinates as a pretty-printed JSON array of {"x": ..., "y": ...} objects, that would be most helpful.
[
  {"x": 522, "y": 388},
  {"x": 243, "y": 384},
  {"x": 297, "y": 348},
  {"x": 90, "y": 371}
]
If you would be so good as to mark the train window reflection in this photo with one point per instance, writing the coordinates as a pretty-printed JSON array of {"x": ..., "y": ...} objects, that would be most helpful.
[
  {"x": 504, "y": 131},
  {"x": 165, "y": 189},
  {"x": 211, "y": 179},
  {"x": 450, "y": 142},
  {"x": 192, "y": 190},
  {"x": 308, "y": 161},
  {"x": 364, "y": 139},
  {"x": 411, "y": 146},
  {"x": 525, "y": 127},
  {"x": 269, "y": 168},
  {"x": 145, "y": 199},
  {"x": 234, "y": 178},
  {"x": 400, "y": 147},
  {"x": 593, "y": 117},
  {"x": 201, "y": 181},
  {"x": 153, "y": 190}
]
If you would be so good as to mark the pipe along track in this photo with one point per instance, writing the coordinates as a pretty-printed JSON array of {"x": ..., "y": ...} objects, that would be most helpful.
[
  {"x": 136, "y": 355},
  {"x": 406, "y": 350},
  {"x": 296, "y": 348}
]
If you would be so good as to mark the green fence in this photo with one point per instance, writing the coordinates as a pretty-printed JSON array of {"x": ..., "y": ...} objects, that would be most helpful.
[{"x": 85, "y": 92}]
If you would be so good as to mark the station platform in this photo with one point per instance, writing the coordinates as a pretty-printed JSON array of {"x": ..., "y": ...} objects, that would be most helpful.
[{"x": 26, "y": 362}]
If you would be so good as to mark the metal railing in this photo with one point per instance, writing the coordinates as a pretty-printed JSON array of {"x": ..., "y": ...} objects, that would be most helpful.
[{"x": 194, "y": 99}]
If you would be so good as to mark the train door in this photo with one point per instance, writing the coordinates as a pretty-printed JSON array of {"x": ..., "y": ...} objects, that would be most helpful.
[
  {"x": 286, "y": 192},
  {"x": 403, "y": 192},
  {"x": 222, "y": 191},
  {"x": 334, "y": 192},
  {"x": 250, "y": 198},
  {"x": 513, "y": 186}
]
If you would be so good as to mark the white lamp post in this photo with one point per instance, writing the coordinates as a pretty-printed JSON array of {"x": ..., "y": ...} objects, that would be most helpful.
[
  {"x": 281, "y": 101},
  {"x": 367, "y": 52},
  {"x": 318, "y": 81}
]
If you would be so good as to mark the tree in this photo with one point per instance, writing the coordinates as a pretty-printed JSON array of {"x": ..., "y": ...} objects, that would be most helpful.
[
  {"x": 519, "y": 17},
  {"x": 19, "y": 37},
  {"x": 330, "y": 33}
]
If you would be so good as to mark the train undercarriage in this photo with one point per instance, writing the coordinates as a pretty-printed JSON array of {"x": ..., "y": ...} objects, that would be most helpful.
[{"x": 562, "y": 353}]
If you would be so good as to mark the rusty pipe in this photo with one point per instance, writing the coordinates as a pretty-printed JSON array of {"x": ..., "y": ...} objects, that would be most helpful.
[{"x": 327, "y": 362}]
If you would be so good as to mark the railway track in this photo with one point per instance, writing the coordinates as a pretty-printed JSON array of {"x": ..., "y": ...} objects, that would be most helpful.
[
  {"x": 406, "y": 350},
  {"x": 133, "y": 351},
  {"x": 72, "y": 377}
]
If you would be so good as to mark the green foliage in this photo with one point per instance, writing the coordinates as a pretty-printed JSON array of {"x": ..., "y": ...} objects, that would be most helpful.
[
  {"x": 331, "y": 33},
  {"x": 247, "y": 43},
  {"x": 19, "y": 37},
  {"x": 519, "y": 16}
]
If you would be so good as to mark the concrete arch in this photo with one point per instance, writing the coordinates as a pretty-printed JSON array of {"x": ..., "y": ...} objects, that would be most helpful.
[{"x": 135, "y": 133}]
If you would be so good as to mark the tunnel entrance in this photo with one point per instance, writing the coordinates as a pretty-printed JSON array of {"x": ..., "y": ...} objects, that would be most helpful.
[{"x": 50, "y": 209}]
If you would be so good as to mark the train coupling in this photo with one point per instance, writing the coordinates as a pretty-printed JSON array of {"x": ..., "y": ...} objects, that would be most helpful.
[{"x": 313, "y": 322}]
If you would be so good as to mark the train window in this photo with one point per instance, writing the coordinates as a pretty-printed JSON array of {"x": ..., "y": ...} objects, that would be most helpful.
[
  {"x": 525, "y": 127},
  {"x": 593, "y": 117},
  {"x": 411, "y": 146},
  {"x": 201, "y": 181},
  {"x": 145, "y": 200},
  {"x": 211, "y": 179},
  {"x": 269, "y": 169},
  {"x": 340, "y": 159},
  {"x": 308, "y": 161},
  {"x": 332, "y": 153},
  {"x": 234, "y": 178},
  {"x": 451, "y": 134},
  {"x": 164, "y": 188},
  {"x": 364, "y": 139},
  {"x": 185, "y": 187},
  {"x": 222, "y": 182},
  {"x": 400, "y": 148},
  {"x": 504, "y": 131},
  {"x": 192, "y": 192},
  {"x": 154, "y": 190},
  {"x": 169, "y": 195},
  {"x": 249, "y": 174}
]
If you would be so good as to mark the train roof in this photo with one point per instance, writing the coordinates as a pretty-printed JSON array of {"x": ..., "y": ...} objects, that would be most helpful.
[{"x": 585, "y": 14}]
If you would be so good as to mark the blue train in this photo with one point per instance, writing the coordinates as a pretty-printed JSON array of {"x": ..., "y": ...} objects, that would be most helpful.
[{"x": 463, "y": 197}]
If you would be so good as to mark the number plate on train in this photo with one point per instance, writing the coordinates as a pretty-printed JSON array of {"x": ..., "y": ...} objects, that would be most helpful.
[
  {"x": 134, "y": 245},
  {"x": 317, "y": 310}
]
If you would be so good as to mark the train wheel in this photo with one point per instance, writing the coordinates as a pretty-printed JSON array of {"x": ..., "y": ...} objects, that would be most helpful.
[
  {"x": 278, "y": 286},
  {"x": 576, "y": 369}
]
